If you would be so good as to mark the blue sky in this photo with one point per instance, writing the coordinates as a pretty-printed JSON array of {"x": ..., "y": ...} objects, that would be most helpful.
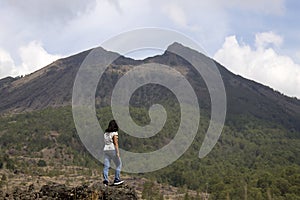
[{"x": 258, "y": 39}]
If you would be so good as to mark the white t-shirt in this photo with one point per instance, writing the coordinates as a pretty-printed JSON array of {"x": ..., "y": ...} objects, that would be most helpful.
[{"x": 108, "y": 141}]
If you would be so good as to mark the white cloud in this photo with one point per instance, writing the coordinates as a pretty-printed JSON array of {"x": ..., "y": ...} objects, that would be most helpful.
[
  {"x": 261, "y": 64},
  {"x": 264, "y": 6},
  {"x": 297, "y": 56},
  {"x": 176, "y": 14},
  {"x": 266, "y": 38},
  {"x": 41, "y": 12},
  {"x": 7, "y": 65},
  {"x": 33, "y": 56}
]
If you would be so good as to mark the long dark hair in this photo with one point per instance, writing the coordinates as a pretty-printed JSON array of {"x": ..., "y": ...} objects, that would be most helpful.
[{"x": 112, "y": 126}]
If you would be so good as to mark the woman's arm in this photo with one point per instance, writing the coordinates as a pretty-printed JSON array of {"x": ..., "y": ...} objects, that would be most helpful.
[{"x": 115, "y": 141}]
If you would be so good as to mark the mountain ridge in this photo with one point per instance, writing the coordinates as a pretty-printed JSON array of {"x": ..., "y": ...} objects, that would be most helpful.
[{"x": 52, "y": 86}]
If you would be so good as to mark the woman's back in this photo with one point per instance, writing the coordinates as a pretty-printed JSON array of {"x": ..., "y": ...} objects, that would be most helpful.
[{"x": 108, "y": 140}]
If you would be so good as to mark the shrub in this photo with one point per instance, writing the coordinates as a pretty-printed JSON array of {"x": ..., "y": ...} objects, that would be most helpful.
[{"x": 42, "y": 163}]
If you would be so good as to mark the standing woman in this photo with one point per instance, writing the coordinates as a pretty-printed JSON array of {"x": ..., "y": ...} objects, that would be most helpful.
[{"x": 111, "y": 152}]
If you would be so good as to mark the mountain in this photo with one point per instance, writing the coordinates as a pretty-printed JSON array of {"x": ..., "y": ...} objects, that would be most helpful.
[
  {"x": 256, "y": 157},
  {"x": 52, "y": 86}
]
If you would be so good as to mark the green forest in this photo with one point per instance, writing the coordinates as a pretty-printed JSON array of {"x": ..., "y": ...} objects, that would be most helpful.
[{"x": 253, "y": 159}]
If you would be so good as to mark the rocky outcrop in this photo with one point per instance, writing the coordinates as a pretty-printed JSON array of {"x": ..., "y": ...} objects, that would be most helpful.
[{"x": 61, "y": 191}]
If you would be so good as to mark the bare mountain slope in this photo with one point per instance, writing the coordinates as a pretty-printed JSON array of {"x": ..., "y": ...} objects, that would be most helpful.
[{"x": 53, "y": 84}]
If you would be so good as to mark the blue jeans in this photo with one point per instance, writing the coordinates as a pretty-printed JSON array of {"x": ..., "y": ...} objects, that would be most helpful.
[{"x": 108, "y": 156}]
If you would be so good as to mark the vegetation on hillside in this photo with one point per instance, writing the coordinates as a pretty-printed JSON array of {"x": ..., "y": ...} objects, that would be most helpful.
[{"x": 253, "y": 159}]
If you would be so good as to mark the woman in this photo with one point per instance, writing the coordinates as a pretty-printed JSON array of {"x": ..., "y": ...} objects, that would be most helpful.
[{"x": 111, "y": 152}]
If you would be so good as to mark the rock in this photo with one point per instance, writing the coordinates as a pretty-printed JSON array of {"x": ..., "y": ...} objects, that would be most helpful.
[
  {"x": 54, "y": 190},
  {"x": 114, "y": 192},
  {"x": 31, "y": 188},
  {"x": 60, "y": 191}
]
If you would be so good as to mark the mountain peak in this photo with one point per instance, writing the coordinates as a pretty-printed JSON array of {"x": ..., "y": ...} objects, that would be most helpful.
[
  {"x": 176, "y": 46},
  {"x": 179, "y": 48}
]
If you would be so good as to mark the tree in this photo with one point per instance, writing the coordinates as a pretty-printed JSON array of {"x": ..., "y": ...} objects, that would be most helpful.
[{"x": 150, "y": 191}]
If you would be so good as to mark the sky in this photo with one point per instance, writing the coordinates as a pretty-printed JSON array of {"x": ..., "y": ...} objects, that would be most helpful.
[{"x": 257, "y": 39}]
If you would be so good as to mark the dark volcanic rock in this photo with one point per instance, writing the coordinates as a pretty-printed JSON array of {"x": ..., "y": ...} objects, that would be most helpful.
[
  {"x": 114, "y": 192},
  {"x": 61, "y": 191}
]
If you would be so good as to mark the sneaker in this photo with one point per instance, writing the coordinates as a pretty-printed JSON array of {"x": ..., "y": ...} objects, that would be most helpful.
[
  {"x": 105, "y": 182},
  {"x": 118, "y": 182}
]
